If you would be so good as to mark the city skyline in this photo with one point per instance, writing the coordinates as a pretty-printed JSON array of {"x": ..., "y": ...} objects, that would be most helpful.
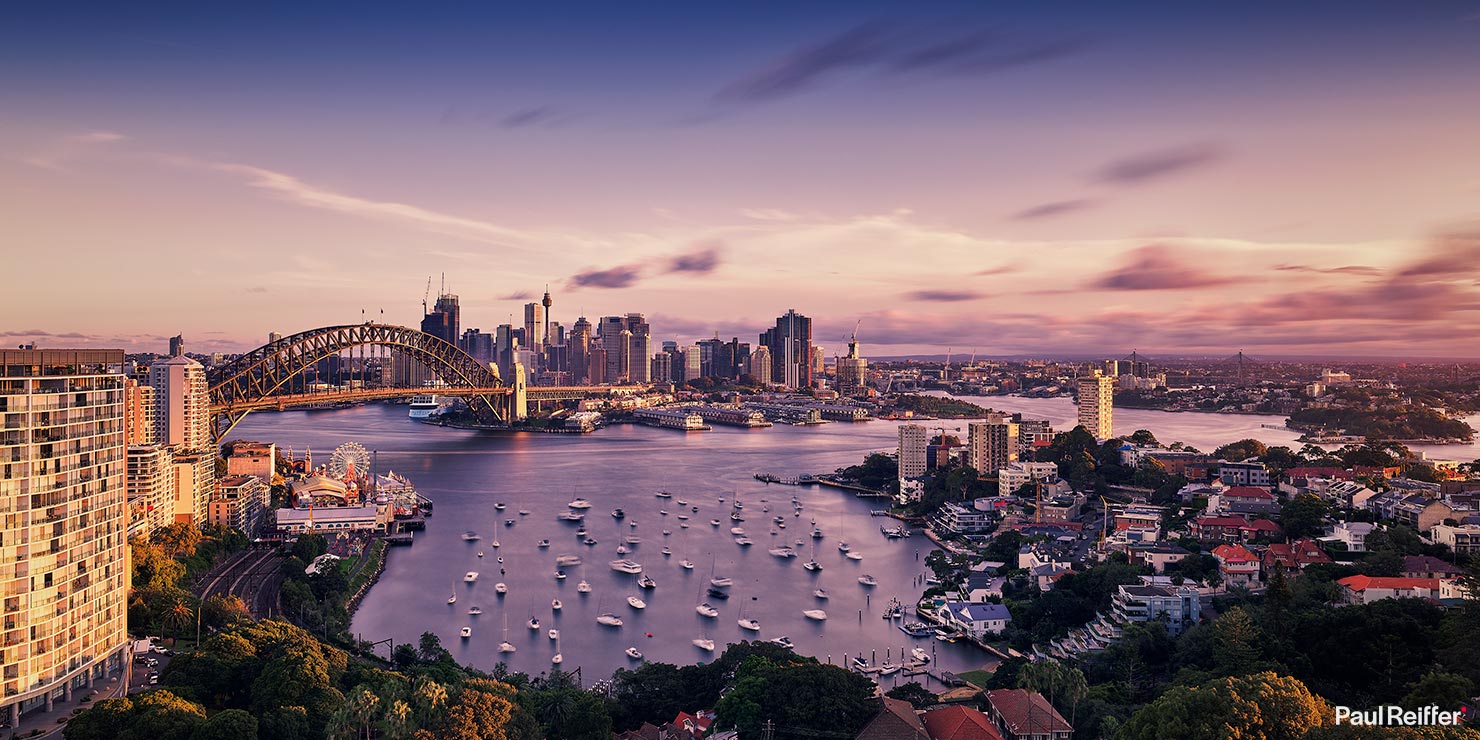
[{"x": 1171, "y": 179}]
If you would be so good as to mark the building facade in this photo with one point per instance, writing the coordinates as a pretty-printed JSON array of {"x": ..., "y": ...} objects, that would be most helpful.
[
  {"x": 1096, "y": 394},
  {"x": 240, "y": 502},
  {"x": 790, "y": 345},
  {"x": 912, "y": 453},
  {"x": 63, "y": 547},
  {"x": 150, "y": 482},
  {"x": 991, "y": 445}
]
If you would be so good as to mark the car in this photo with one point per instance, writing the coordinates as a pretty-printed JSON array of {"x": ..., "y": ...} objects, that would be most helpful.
[
  {"x": 152, "y": 662},
  {"x": 153, "y": 680}
]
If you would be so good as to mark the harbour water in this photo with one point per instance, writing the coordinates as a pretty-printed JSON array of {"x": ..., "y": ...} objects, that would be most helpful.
[{"x": 467, "y": 473}]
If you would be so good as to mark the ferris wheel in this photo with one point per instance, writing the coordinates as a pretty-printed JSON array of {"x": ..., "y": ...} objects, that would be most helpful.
[{"x": 350, "y": 455}]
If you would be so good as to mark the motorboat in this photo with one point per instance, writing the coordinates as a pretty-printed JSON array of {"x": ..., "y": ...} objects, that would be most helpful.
[
  {"x": 632, "y": 523},
  {"x": 743, "y": 541},
  {"x": 683, "y": 517},
  {"x": 583, "y": 587},
  {"x": 820, "y": 593},
  {"x": 508, "y": 522},
  {"x": 465, "y": 632},
  {"x": 735, "y": 517},
  {"x": 854, "y": 556},
  {"x": 750, "y": 624},
  {"x": 781, "y": 525},
  {"x": 868, "y": 580},
  {"x": 500, "y": 589},
  {"x": 501, "y": 560},
  {"x": 622, "y": 550},
  {"x": 582, "y": 531},
  {"x": 705, "y": 610},
  {"x": 916, "y": 629},
  {"x": 533, "y": 623},
  {"x": 894, "y": 610},
  {"x": 553, "y": 634},
  {"x": 452, "y": 599},
  {"x": 570, "y": 516},
  {"x": 543, "y": 544},
  {"x": 920, "y": 655},
  {"x": 470, "y": 576},
  {"x": 860, "y": 664},
  {"x": 499, "y": 506},
  {"x": 663, "y": 494},
  {"x": 737, "y": 530},
  {"x": 647, "y": 582},
  {"x": 524, "y": 512},
  {"x": 812, "y": 565},
  {"x": 610, "y": 620},
  {"x": 506, "y": 647},
  {"x": 589, "y": 541},
  {"x": 686, "y": 564},
  {"x": 784, "y": 641},
  {"x": 555, "y": 605},
  {"x": 567, "y": 560},
  {"x": 495, "y": 543},
  {"x": 816, "y": 533},
  {"x": 694, "y": 509},
  {"x": 783, "y": 552},
  {"x": 843, "y": 546},
  {"x": 662, "y": 512},
  {"x": 470, "y": 536},
  {"x": 777, "y": 519},
  {"x": 714, "y": 522},
  {"x": 625, "y": 566},
  {"x": 618, "y": 513},
  {"x": 721, "y": 582},
  {"x": 667, "y": 552},
  {"x": 633, "y": 653},
  {"x": 480, "y": 553},
  {"x": 718, "y": 593},
  {"x": 705, "y": 644},
  {"x": 633, "y": 539},
  {"x": 557, "y": 658},
  {"x": 636, "y": 603},
  {"x": 560, "y": 575},
  {"x": 682, "y": 502},
  {"x": 668, "y": 532},
  {"x": 816, "y": 615},
  {"x": 888, "y": 668},
  {"x": 579, "y": 503},
  {"x": 475, "y": 610}
]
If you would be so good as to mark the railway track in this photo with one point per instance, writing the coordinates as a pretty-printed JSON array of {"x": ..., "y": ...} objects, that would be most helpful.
[{"x": 253, "y": 576}]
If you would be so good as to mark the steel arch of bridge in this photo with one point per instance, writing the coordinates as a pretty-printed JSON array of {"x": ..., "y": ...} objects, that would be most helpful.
[{"x": 246, "y": 382}]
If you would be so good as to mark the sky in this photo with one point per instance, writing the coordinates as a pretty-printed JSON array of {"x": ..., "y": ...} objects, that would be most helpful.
[{"x": 1001, "y": 178}]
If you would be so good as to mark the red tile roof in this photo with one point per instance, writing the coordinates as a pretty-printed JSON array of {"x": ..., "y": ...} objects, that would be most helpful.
[
  {"x": 1362, "y": 583},
  {"x": 1026, "y": 712},
  {"x": 1247, "y": 492},
  {"x": 896, "y": 720},
  {"x": 1297, "y": 554},
  {"x": 959, "y": 723},
  {"x": 1234, "y": 554}
]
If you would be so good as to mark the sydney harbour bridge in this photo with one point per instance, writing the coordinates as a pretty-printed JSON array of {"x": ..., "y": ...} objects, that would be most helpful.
[{"x": 273, "y": 376}]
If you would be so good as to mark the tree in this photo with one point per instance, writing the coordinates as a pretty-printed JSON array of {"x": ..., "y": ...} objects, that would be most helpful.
[
  {"x": 404, "y": 656},
  {"x": 429, "y": 648},
  {"x": 1236, "y": 641},
  {"x": 1263, "y": 705},
  {"x": 102, "y": 721},
  {"x": 918, "y": 696},
  {"x": 177, "y": 539},
  {"x": 220, "y": 612},
  {"x": 1303, "y": 516},
  {"x": 1448, "y": 691},
  {"x": 310, "y": 546},
  {"x": 232, "y": 724},
  {"x": 1241, "y": 450},
  {"x": 1142, "y": 437},
  {"x": 803, "y": 698},
  {"x": 161, "y": 715}
]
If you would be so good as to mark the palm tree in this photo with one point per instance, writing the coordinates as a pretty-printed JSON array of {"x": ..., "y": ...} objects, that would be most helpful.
[
  {"x": 178, "y": 614},
  {"x": 429, "y": 696},
  {"x": 362, "y": 706},
  {"x": 398, "y": 719}
]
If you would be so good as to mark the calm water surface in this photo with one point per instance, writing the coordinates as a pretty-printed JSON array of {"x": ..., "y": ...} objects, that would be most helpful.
[{"x": 465, "y": 473}]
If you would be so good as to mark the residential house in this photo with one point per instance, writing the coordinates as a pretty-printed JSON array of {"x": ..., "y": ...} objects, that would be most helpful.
[
  {"x": 896, "y": 720},
  {"x": 1237, "y": 565},
  {"x": 1247, "y": 473},
  {"x": 1156, "y": 598},
  {"x": 1158, "y": 556},
  {"x": 1428, "y": 566},
  {"x": 1191, "y": 491},
  {"x": 1348, "y": 494},
  {"x": 959, "y": 723},
  {"x": 1367, "y": 589},
  {"x": 1140, "y": 517},
  {"x": 978, "y": 620},
  {"x": 1353, "y": 535},
  {"x": 1242, "y": 500},
  {"x": 1421, "y": 512},
  {"x": 1232, "y": 529},
  {"x": 1047, "y": 575},
  {"x": 1293, "y": 556},
  {"x": 1463, "y": 539},
  {"x": 1026, "y": 715}
]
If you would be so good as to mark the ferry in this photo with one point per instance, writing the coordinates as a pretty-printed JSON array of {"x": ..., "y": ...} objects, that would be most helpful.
[{"x": 425, "y": 407}]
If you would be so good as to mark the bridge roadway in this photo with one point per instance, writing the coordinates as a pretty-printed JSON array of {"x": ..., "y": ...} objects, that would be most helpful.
[{"x": 536, "y": 394}]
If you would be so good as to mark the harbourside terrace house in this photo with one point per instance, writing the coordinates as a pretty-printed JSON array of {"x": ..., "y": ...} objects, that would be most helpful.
[
  {"x": 1242, "y": 500},
  {"x": 1463, "y": 539},
  {"x": 1417, "y": 510},
  {"x": 1367, "y": 589},
  {"x": 1293, "y": 556},
  {"x": 1351, "y": 535},
  {"x": 1025, "y": 715},
  {"x": 1154, "y": 598},
  {"x": 958, "y": 519}
]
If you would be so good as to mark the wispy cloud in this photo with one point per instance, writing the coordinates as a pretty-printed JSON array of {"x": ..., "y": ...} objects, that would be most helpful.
[
  {"x": 1056, "y": 208},
  {"x": 1343, "y": 270},
  {"x": 518, "y": 295},
  {"x": 888, "y": 48},
  {"x": 621, "y": 276},
  {"x": 1455, "y": 253},
  {"x": 60, "y": 152},
  {"x": 1155, "y": 165},
  {"x": 942, "y": 296},
  {"x": 1002, "y": 269},
  {"x": 701, "y": 261},
  {"x": 540, "y": 116}
]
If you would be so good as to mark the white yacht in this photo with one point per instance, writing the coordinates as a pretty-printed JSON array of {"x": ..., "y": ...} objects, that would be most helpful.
[
  {"x": 783, "y": 552},
  {"x": 583, "y": 587},
  {"x": 554, "y": 634},
  {"x": 570, "y": 516},
  {"x": 920, "y": 655},
  {"x": 820, "y": 593},
  {"x": 721, "y": 582},
  {"x": 465, "y": 632},
  {"x": 625, "y": 566},
  {"x": 868, "y": 580},
  {"x": 475, "y": 610},
  {"x": 567, "y": 560},
  {"x": 815, "y": 614},
  {"x": 543, "y": 544},
  {"x": 633, "y": 653},
  {"x": 750, "y": 624},
  {"x": 609, "y": 619},
  {"x": 470, "y": 536},
  {"x": 452, "y": 599},
  {"x": 784, "y": 641},
  {"x": 705, "y": 644},
  {"x": 686, "y": 564},
  {"x": 470, "y": 576},
  {"x": 555, "y": 605},
  {"x": 812, "y": 565},
  {"x": 647, "y": 582},
  {"x": 854, "y": 555},
  {"x": 636, "y": 603},
  {"x": 500, "y": 589},
  {"x": 534, "y": 623},
  {"x": 705, "y": 610},
  {"x": 579, "y": 503}
]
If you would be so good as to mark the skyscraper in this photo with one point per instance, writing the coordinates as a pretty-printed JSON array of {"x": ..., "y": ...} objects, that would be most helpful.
[
  {"x": 63, "y": 538},
  {"x": 693, "y": 360},
  {"x": 760, "y": 365},
  {"x": 611, "y": 328},
  {"x": 1095, "y": 403},
  {"x": 138, "y": 413},
  {"x": 639, "y": 348},
  {"x": 151, "y": 489},
  {"x": 444, "y": 320},
  {"x": 662, "y": 368},
  {"x": 534, "y": 326},
  {"x": 852, "y": 371},
  {"x": 177, "y": 345},
  {"x": 991, "y": 445},
  {"x": 912, "y": 457},
  {"x": 790, "y": 343},
  {"x": 580, "y": 348}
]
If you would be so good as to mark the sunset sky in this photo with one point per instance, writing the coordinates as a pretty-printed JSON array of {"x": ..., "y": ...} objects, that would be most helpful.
[{"x": 1010, "y": 178}]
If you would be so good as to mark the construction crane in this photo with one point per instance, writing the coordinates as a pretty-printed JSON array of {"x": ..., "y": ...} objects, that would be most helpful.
[{"x": 426, "y": 296}]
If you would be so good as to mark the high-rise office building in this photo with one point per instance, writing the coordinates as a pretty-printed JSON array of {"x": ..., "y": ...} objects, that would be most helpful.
[
  {"x": 662, "y": 368},
  {"x": 177, "y": 345},
  {"x": 760, "y": 365},
  {"x": 912, "y": 457},
  {"x": 1096, "y": 393},
  {"x": 138, "y": 413},
  {"x": 580, "y": 348},
  {"x": 693, "y": 363},
  {"x": 790, "y": 343},
  {"x": 63, "y": 560},
  {"x": 639, "y": 348},
  {"x": 611, "y": 328},
  {"x": 534, "y": 326},
  {"x": 991, "y": 445},
  {"x": 596, "y": 365},
  {"x": 444, "y": 320},
  {"x": 819, "y": 361}
]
